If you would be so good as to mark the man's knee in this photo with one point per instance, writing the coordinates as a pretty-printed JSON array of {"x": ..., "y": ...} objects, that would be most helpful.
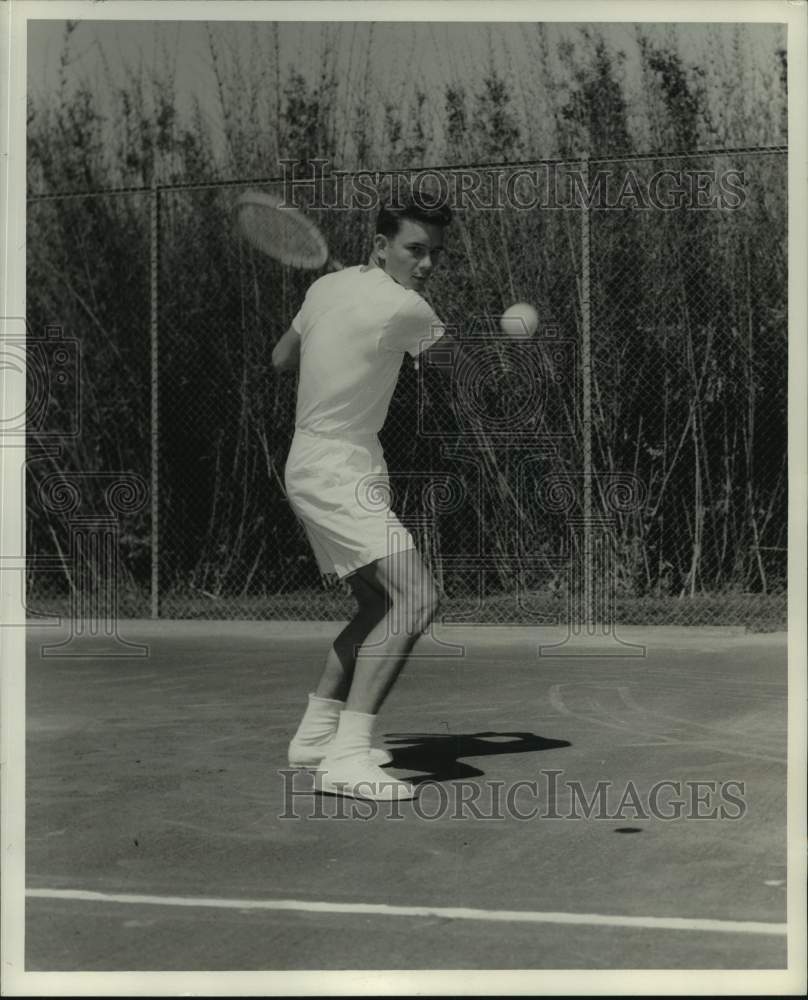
[
  {"x": 375, "y": 607},
  {"x": 372, "y": 602},
  {"x": 420, "y": 605},
  {"x": 433, "y": 603}
]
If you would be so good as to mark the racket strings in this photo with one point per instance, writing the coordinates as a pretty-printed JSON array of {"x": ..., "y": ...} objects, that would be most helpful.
[{"x": 282, "y": 233}]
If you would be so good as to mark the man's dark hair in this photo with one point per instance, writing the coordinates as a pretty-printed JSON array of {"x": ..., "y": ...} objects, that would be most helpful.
[{"x": 413, "y": 207}]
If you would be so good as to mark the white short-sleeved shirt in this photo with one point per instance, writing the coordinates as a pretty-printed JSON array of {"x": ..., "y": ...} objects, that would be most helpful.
[{"x": 355, "y": 326}]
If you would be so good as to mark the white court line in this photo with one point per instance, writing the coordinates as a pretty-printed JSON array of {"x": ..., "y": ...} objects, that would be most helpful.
[{"x": 448, "y": 912}]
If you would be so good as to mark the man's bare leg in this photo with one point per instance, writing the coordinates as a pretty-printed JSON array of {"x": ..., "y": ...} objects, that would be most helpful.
[
  {"x": 338, "y": 673},
  {"x": 321, "y": 718},
  {"x": 347, "y": 768},
  {"x": 413, "y": 604}
]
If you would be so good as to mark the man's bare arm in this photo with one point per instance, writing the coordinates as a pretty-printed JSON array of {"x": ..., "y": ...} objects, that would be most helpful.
[{"x": 286, "y": 353}]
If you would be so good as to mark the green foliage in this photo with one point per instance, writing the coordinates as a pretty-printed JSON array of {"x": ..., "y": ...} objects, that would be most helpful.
[
  {"x": 306, "y": 126},
  {"x": 596, "y": 107},
  {"x": 680, "y": 93},
  {"x": 456, "y": 116},
  {"x": 494, "y": 121}
]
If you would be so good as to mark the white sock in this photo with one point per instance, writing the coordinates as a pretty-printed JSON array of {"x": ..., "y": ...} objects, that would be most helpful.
[
  {"x": 319, "y": 722},
  {"x": 353, "y": 737}
]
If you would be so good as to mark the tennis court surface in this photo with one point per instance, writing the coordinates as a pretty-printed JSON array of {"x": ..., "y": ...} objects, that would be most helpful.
[{"x": 165, "y": 831}]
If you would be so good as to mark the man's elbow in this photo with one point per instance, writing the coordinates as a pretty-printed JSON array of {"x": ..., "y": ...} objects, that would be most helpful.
[{"x": 282, "y": 362}]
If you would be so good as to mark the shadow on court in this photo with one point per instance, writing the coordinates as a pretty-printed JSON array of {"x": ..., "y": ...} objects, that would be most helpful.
[
  {"x": 441, "y": 756},
  {"x": 165, "y": 830}
]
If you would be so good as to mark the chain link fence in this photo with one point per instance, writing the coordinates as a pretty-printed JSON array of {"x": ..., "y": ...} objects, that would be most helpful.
[
  {"x": 628, "y": 462},
  {"x": 689, "y": 372}
]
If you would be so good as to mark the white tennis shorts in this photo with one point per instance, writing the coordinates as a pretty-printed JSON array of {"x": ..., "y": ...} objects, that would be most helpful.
[{"x": 338, "y": 487}]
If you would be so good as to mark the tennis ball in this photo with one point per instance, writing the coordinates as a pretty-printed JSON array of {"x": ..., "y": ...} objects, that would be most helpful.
[{"x": 520, "y": 320}]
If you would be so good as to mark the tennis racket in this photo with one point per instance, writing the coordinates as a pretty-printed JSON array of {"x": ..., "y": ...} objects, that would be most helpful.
[{"x": 282, "y": 232}]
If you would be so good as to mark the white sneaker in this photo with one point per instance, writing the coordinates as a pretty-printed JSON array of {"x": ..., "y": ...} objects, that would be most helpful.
[
  {"x": 303, "y": 755},
  {"x": 359, "y": 778}
]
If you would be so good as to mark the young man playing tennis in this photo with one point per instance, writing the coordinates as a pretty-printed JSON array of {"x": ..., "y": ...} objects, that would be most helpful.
[{"x": 349, "y": 340}]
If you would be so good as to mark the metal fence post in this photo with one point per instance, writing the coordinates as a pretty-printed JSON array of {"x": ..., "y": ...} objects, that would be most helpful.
[
  {"x": 591, "y": 608},
  {"x": 154, "y": 265},
  {"x": 586, "y": 379}
]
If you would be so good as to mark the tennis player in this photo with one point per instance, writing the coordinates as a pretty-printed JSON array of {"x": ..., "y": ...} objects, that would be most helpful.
[{"x": 349, "y": 340}]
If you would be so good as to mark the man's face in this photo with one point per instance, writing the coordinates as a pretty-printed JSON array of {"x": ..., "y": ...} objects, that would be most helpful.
[{"x": 410, "y": 255}]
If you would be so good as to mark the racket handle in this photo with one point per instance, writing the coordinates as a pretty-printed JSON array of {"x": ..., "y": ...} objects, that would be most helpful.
[{"x": 334, "y": 265}]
